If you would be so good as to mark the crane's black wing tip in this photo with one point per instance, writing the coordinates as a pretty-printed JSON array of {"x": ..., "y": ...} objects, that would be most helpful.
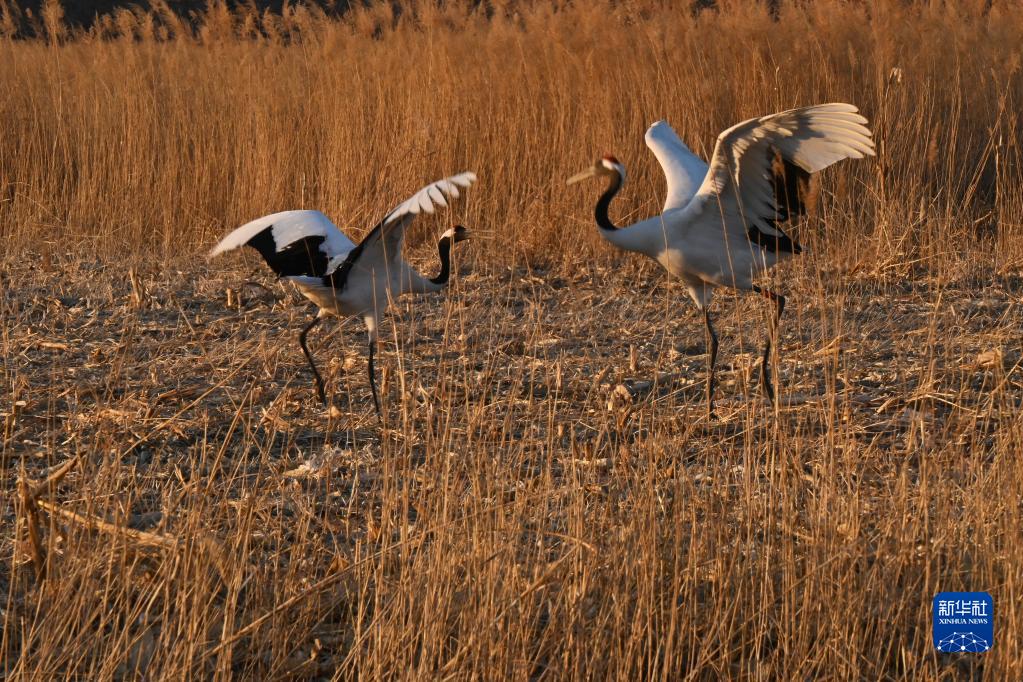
[
  {"x": 774, "y": 243},
  {"x": 791, "y": 184},
  {"x": 303, "y": 257}
]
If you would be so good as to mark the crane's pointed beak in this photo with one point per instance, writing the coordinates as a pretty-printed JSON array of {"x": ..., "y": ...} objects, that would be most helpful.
[{"x": 590, "y": 172}]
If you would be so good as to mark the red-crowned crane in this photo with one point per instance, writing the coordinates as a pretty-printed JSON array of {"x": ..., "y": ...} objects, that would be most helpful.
[
  {"x": 342, "y": 278},
  {"x": 720, "y": 223}
]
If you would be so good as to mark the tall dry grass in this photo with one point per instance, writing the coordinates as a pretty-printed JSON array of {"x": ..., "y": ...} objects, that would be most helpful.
[
  {"x": 155, "y": 147},
  {"x": 517, "y": 521}
]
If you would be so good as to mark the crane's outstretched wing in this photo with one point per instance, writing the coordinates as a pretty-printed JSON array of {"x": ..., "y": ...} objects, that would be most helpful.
[
  {"x": 748, "y": 190},
  {"x": 683, "y": 169},
  {"x": 382, "y": 245},
  {"x": 292, "y": 242}
]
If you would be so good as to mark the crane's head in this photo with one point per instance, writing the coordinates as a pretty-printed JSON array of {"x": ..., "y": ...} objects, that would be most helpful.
[
  {"x": 605, "y": 167},
  {"x": 458, "y": 233}
]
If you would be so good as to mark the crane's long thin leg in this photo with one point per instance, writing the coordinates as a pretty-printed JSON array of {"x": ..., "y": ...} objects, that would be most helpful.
[
  {"x": 712, "y": 348},
  {"x": 372, "y": 378},
  {"x": 308, "y": 356},
  {"x": 765, "y": 371}
]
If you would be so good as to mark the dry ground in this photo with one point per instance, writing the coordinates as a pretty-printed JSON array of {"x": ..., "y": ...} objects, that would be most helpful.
[{"x": 522, "y": 512}]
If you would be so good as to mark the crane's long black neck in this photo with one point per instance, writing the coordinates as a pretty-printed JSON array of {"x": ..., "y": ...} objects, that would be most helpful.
[
  {"x": 600, "y": 213},
  {"x": 444, "y": 251}
]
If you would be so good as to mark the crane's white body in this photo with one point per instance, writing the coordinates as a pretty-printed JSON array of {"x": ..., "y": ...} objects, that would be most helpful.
[
  {"x": 701, "y": 258},
  {"x": 368, "y": 290}
]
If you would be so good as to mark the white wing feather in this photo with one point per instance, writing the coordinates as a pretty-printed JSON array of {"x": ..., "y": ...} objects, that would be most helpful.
[
  {"x": 683, "y": 169},
  {"x": 737, "y": 188},
  {"x": 424, "y": 199},
  {"x": 289, "y": 227},
  {"x": 384, "y": 242}
]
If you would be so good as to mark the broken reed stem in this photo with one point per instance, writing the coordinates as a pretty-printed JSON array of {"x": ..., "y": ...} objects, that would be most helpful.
[
  {"x": 30, "y": 504},
  {"x": 30, "y": 513},
  {"x": 54, "y": 478},
  {"x": 95, "y": 523},
  {"x": 139, "y": 294}
]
